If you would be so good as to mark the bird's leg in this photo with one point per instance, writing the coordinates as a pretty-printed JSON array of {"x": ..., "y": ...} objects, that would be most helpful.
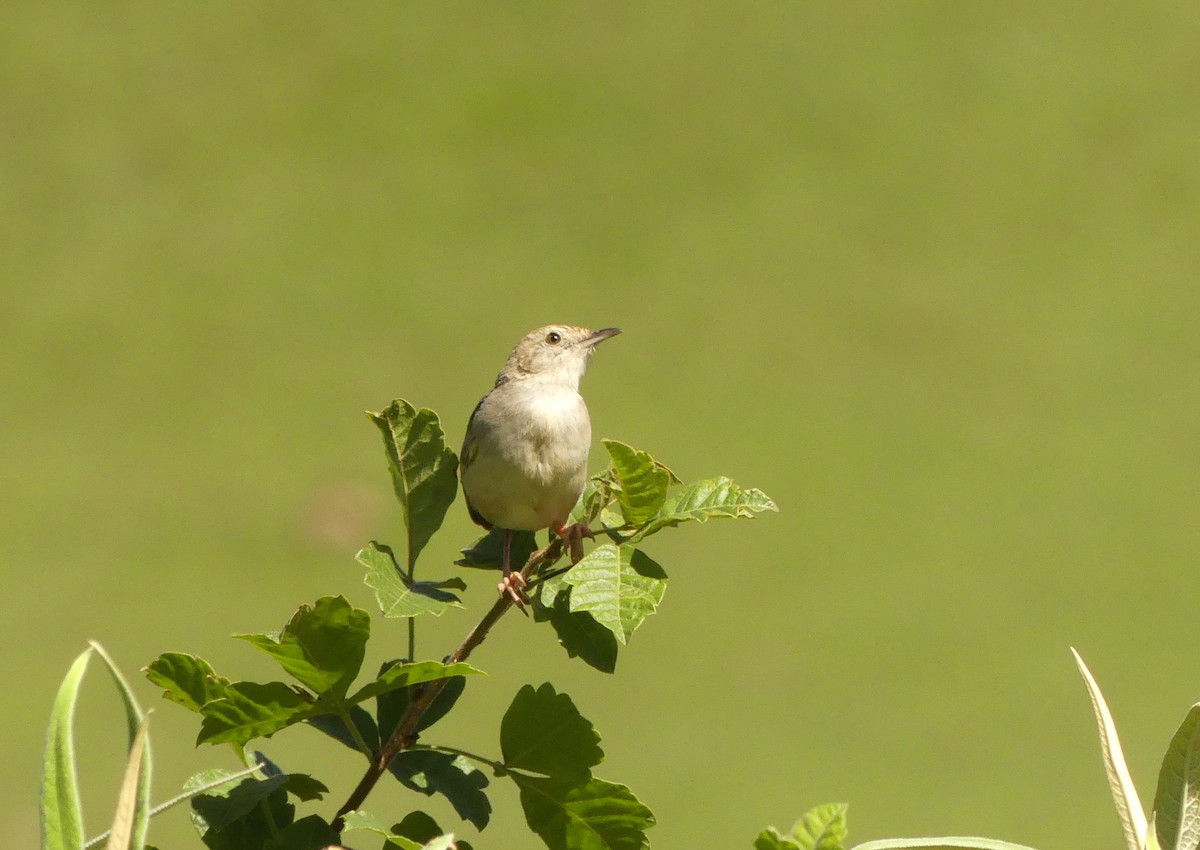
[
  {"x": 513, "y": 584},
  {"x": 573, "y": 536}
]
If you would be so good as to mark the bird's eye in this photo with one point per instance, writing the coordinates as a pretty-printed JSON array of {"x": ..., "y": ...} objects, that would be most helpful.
[{"x": 553, "y": 338}]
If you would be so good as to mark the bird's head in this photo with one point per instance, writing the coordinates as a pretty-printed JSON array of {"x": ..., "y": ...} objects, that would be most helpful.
[{"x": 556, "y": 353}]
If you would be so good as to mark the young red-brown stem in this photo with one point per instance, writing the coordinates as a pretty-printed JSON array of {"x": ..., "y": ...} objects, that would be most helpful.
[{"x": 404, "y": 737}]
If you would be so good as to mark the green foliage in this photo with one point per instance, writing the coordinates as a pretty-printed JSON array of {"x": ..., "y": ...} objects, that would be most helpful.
[
  {"x": 548, "y": 749},
  {"x": 1177, "y": 801},
  {"x": 822, "y": 828},
  {"x": 424, "y": 472}
]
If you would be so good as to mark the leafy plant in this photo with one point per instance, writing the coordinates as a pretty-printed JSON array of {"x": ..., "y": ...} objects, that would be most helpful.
[{"x": 547, "y": 748}]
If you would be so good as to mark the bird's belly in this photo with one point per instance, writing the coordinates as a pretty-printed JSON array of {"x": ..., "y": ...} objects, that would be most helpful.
[{"x": 536, "y": 480}]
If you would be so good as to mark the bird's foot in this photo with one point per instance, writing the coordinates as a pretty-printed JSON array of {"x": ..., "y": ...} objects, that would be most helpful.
[
  {"x": 512, "y": 587},
  {"x": 573, "y": 536}
]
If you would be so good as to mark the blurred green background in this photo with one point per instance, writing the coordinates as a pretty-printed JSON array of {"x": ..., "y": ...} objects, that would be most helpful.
[{"x": 923, "y": 272}]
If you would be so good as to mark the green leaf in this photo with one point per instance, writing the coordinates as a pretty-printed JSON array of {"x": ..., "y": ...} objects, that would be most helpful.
[
  {"x": 370, "y": 823},
  {"x": 321, "y": 646},
  {"x": 224, "y": 806},
  {"x": 579, "y": 633},
  {"x": 619, "y": 587},
  {"x": 1120, "y": 783},
  {"x": 704, "y": 500},
  {"x": 821, "y": 828},
  {"x": 594, "y": 815},
  {"x": 399, "y": 597},
  {"x": 309, "y": 833},
  {"x": 186, "y": 679},
  {"x": 1177, "y": 801},
  {"x": 404, "y": 675},
  {"x": 135, "y": 721},
  {"x": 953, "y": 842},
  {"x": 133, "y": 809},
  {"x": 391, "y": 706},
  {"x": 252, "y": 710},
  {"x": 253, "y": 828},
  {"x": 424, "y": 472},
  {"x": 542, "y": 731},
  {"x": 487, "y": 553},
  {"x": 642, "y": 482},
  {"x": 62, "y": 819},
  {"x": 335, "y": 727},
  {"x": 597, "y": 494},
  {"x": 454, "y": 777},
  {"x": 771, "y": 839}
]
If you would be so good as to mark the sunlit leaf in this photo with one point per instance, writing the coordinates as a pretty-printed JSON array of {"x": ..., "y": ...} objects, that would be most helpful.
[
  {"x": 952, "y": 842},
  {"x": 1177, "y": 801},
  {"x": 618, "y": 586},
  {"x": 399, "y": 597},
  {"x": 704, "y": 500},
  {"x": 1124, "y": 794},
  {"x": 322, "y": 646},
  {"x": 591, "y": 815},
  {"x": 404, "y": 675},
  {"x": 186, "y": 679},
  {"x": 642, "y": 482},
  {"x": 424, "y": 472},
  {"x": 370, "y": 823},
  {"x": 62, "y": 820},
  {"x": 133, "y": 810},
  {"x": 252, "y": 710}
]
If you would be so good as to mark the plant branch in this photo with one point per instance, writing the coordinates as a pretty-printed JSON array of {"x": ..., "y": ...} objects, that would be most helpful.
[{"x": 405, "y": 735}]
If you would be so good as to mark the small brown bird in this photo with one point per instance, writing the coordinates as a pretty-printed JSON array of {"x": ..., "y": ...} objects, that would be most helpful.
[{"x": 524, "y": 460}]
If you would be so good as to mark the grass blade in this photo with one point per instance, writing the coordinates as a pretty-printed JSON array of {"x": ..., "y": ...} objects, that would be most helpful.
[
  {"x": 1125, "y": 797},
  {"x": 135, "y": 721},
  {"x": 131, "y": 807}
]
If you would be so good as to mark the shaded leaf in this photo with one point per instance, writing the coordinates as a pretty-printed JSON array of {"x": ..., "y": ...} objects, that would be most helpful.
[
  {"x": 252, "y": 710},
  {"x": 594, "y": 815},
  {"x": 642, "y": 482},
  {"x": 399, "y": 597},
  {"x": 405, "y": 675},
  {"x": 1120, "y": 783},
  {"x": 226, "y": 805},
  {"x": 335, "y": 727},
  {"x": 598, "y": 493},
  {"x": 322, "y": 646},
  {"x": 704, "y": 500},
  {"x": 579, "y": 633},
  {"x": 542, "y": 731},
  {"x": 455, "y": 778},
  {"x": 619, "y": 586},
  {"x": 1177, "y": 800},
  {"x": 308, "y": 833},
  {"x": 252, "y": 830},
  {"x": 487, "y": 552},
  {"x": 424, "y": 472},
  {"x": 62, "y": 819},
  {"x": 391, "y": 706},
  {"x": 186, "y": 679}
]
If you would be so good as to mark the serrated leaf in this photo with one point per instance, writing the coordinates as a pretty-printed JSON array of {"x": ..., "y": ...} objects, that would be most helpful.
[
  {"x": 594, "y": 815},
  {"x": 399, "y": 597},
  {"x": 405, "y": 675},
  {"x": 642, "y": 482},
  {"x": 821, "y": 828},
  {"x": 579, "y": 633},
  {"x": 370, "y": 823},
  {"x": 186, "y": 679},
  {"x": 619, "y": 586},
  {"x": 322, "y": 646},
  {"x": 62, "y": 818},
  {"x": 424, "y": 472},
  {"x": 703, "y": 500},
  {"x": 454, "y": 777},
  {"x": 1177, "y": 800},
  {"x": 252, "y": 710},
  {"x": 487, "y": 553},
  {"x": 1120, "y": 783},
  {"x": 542, "y": 731}
]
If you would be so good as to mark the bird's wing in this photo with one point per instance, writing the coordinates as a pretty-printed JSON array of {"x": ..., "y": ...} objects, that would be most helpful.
[{"x": 470, "y": 449}]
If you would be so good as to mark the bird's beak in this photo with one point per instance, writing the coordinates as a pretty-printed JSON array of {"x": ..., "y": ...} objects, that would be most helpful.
[{"x": 596, "y": 337}]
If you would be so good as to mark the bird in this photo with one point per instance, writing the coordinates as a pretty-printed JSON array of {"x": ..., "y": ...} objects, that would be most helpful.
[{"x": 524, "y": 459}]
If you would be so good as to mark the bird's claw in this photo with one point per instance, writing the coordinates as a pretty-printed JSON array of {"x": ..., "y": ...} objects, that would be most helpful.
[{"x": 512, "y": 588}]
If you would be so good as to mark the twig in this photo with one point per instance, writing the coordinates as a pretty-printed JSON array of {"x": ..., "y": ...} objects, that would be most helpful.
[{"x": 404, "y": 737}]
